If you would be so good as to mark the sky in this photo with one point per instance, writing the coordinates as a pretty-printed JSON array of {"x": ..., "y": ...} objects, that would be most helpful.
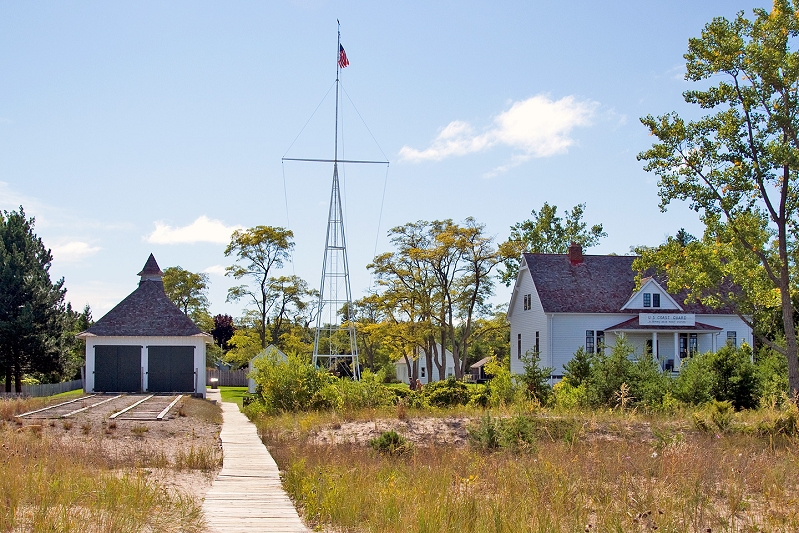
[{"x": 130, "y": 128}]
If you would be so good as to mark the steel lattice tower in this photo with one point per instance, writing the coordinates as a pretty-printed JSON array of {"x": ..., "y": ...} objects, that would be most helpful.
[{"x": 334, "y": 341}]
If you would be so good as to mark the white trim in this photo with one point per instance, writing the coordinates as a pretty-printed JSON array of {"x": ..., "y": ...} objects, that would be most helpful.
[{"x": 641, "y": 290}]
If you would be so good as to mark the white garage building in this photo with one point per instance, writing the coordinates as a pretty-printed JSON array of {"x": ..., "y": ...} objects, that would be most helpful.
[{"x": 146, "y": 344}]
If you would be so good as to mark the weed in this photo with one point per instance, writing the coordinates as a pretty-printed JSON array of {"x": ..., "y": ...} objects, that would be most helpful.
[
  {"x": 86, "y": 427},
  {"x": 139, "y": 430},
  {"x": 391, "y": 443},
  {"x": 205, "y": 458},
  {"x": 112, "y": 424},
  {"x": 66, "y": 424}
]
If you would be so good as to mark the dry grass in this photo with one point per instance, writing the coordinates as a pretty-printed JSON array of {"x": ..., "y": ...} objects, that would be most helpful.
[
  {"x": 46, "y": 489},
  {"x": 201, "y": 409},
  {"x": 588, "y": 472}
]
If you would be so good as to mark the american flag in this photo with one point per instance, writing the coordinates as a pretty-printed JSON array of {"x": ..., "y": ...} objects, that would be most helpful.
[{"x": 342, "y": 57}]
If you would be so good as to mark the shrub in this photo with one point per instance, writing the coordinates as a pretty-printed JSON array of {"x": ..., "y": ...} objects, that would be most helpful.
[
  {"x": 446, "y": 393},
  {"x": 391, "y": 443},
  {"x": 735, "y": 378},
  {"x": 501, "y": 389},
  {"x": 568, "y": 396},
  {"x": 609, "y": 372},
  {"x": 517, "y": 433},
  {"x": 535, "y": 378},
  {"x": 290, "y": 385},
  {"x": 694, "y": 383},
  {"x": 772, "y": 377},
  {"x": 578, "y": 369},
  {"x": 648, "y": 383}
]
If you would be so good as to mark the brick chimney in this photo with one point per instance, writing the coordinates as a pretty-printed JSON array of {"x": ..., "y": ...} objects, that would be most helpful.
[{"x": 575, "y": 254}]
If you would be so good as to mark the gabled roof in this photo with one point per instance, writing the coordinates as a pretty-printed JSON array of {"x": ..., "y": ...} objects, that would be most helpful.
[
  {"x": 598, "y": 284},
  {"x": 646, "y": 283},
  {"x": 146, "y": 312}
]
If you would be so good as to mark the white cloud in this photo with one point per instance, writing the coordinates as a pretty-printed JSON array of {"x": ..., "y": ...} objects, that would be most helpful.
[
  {"x": 101, "y": 296},
  {"x": 73, "y": 251},
  {"x": 203, "y": 229},
  {"x": 217, "y": 270},
  {"x": 538, "y": 127}
]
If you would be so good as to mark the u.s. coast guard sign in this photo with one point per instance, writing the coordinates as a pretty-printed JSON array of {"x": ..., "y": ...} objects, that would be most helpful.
[{"x": 667, "y": 319}]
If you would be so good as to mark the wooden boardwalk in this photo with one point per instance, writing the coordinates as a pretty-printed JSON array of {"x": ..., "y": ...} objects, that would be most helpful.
[{"x": 247, "y": 495}]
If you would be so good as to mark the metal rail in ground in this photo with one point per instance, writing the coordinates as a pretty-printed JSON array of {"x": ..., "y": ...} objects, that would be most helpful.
[
  {"x": 128, "y": 408},
  {"x": 50, "y": 407}
]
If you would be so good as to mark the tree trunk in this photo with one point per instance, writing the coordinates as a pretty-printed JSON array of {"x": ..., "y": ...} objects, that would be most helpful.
[
  {"x": 8, "y": 378},
  {"x": 791, "y": 348},
  {"x": 17, "y": 379}
]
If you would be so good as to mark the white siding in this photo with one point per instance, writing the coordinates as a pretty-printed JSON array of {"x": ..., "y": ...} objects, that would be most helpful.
[
  {"x": 527, "y": 322},
  {"x": 427, "y": 376},
  {"x": 568, "y": 334},
  {"x": 197, "y": 341},
  {"x": 651, "y": 287}
]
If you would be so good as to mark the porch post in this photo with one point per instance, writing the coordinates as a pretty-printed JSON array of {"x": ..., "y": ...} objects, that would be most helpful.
[
  {"x": 655, "y": 345},
  {"x": 713, "y": 342},
  {"x": 676, "y": 351}
]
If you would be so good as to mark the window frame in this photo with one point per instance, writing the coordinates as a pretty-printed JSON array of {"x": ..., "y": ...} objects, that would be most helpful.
[
  {"x": 656, "y": 299},
  {"x": 590, "y": 346},
  {"x": 647, "y": 299}
]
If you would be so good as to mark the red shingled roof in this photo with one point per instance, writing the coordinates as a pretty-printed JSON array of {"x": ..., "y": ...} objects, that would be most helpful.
[
  {"x": 599, "y": 284},
  {"x": 146, "y": 312}
]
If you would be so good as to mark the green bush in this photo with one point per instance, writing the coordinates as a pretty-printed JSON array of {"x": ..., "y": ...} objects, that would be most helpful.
[
  {"x": 578, "y": 369},
  {"x": 535, "y": 378},
  {"x": 290, "y": 385},
  {"x": 501, "y": 389},
  {"x": 735, "y": 377},
  {"x": 447, "y": 393},
  {"x": 694, "y": 384},
  {"x": 772, "y": 377},
  {"x": 568, "y": 396},
  {"x": 609, "y": 371},
  {"x": 517, "y": 433},
  {"x": 391, "y": 443}
]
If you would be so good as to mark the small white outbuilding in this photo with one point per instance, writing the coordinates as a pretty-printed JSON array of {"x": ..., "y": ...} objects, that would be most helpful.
[{"x": 146, "y": 344}]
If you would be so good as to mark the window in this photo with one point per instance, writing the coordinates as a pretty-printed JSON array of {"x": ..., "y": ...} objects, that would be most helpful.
[
  {"x": 528, "y": 302},
  {"x": 732, "y": 338},
  {"x": 684, "y": 345},
  {"x": 450, "y": 371},
  {"x": 693, "y": 344},
  {"x": 519, "y": 346},
  {"x": 600, "y": 342},
  {"x": 655, "y": 300},
  {"x": 647, "y": 299},
  {"x": 537, "y": 345},
  {"x": 589, "y": 340},
  {"x": 422, "y": 372}
]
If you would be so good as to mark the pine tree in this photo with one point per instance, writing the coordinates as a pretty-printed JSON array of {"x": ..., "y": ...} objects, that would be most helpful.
[{"x": 31, "y": 306}]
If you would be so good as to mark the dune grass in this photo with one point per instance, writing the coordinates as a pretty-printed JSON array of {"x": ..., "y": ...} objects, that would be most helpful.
[
  {"x": 603, "y": 471},
  {"x": 45, "y": 489}
]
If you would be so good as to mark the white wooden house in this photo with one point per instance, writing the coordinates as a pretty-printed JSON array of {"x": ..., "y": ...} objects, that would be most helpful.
[
  {"x": 562, "y": 302},
  {"x": 146, "y": 344},
  {"x": 426, "y": 375},
  {"x": 269, "y": 351}
]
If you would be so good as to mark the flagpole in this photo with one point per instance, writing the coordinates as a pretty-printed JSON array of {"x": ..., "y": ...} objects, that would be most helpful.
[{"x": 338, "y": 72}]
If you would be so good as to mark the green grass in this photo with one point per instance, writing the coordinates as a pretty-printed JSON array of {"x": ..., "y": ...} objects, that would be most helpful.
[
  {"x": 68, "y": 395},
  {"x": 233, "y": 394}
]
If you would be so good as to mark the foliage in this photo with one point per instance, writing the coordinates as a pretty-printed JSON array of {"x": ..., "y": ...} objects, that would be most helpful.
[
  {"x": 567, "y": 396},
  {"x": 32, "y": 311},
  {"x": 534, "y": 378},
  {"x": 693, "y": 385},
  {"x": 189, "y": 291},
  {"x": 546, "y": 233},
  {"x": 436, "y": 286},
  {"x": 734, "y": 376},
  {"x": 517, "y": 433},
  {"x": 609, "y": 371},
  {"x": 501, "y": 388},
  {"x": 648, "y": 383},
  {"x": 446, "y": 393},
  {"x": 578, "y": 369},
  {"x": 291, "y": 385},
  {"x": 772, "y": 377},
  {"x": 391, "y": 443},
  {"x": 223, "y": 330},
  {"x": 738, "y": 164},
  {"x": 258, "y": 251},
  {"x": 244, "y": 345}
]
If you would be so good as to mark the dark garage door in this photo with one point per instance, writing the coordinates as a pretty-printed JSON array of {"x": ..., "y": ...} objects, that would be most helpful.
[
  {"x": 170, "y": 368},
  {"x": 117, "y": 368}
]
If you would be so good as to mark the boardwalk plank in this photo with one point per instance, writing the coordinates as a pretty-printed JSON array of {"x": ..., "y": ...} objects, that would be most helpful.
[{"x": 247, "y": 494}]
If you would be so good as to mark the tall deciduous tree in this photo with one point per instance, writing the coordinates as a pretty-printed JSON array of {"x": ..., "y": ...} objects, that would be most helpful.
[
  {"x": 741, "y": 159},
  {"x": 548, "y": 233},
  {"x": 223, "y": 330},
  {"x": 258, "y": 251},
  {"x": 189, "y": 291},
  {"x": 32, "y": 308}
]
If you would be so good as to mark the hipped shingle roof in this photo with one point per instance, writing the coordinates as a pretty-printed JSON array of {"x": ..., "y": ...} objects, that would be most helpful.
[{"x": 146, "y": 312}]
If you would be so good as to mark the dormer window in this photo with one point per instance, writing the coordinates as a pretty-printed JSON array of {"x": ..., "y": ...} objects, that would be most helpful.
[
  {"x": 528, "y": 302},
  {"x": 648, "y": 299},
  {"x": 655, "y": 300}
]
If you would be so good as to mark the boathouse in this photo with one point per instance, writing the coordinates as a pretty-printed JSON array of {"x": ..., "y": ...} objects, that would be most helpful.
[{"x": 146, "y": 344}]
